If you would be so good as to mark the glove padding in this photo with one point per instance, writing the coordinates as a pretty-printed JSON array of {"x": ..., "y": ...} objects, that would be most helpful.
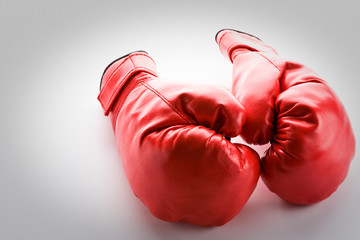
[
  {"x": 288, "y": 105},
  {"x": 173, "y": 146}
]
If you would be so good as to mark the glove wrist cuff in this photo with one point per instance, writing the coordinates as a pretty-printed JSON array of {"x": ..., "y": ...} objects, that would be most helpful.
[
  {"x": 119, "y": 73},
  {"x": 230, "y": 40}
]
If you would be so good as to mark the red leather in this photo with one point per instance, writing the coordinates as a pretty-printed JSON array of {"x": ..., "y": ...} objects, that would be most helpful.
[
  {"x": 171, "y": 139},
  {"x": 287, "y": 104}
]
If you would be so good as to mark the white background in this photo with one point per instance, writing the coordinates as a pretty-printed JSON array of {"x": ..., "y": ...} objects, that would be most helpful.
[{"x": 61, "y": 177}]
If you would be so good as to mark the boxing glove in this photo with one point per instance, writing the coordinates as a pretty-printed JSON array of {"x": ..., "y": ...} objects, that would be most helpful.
[
  {"x": 290, "y": 106},
  {"x": 174, "y": 143}
]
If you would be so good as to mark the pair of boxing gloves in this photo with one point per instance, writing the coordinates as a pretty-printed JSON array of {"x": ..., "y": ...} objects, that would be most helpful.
[{"x": 175, "y": 139}]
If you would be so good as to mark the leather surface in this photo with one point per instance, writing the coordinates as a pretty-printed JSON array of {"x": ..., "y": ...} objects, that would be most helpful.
[
  {"x": 171, "y": 139},
  {"x": 289, "y": 105}
]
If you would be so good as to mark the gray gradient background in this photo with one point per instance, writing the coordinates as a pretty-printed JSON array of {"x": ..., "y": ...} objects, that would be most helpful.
[{"x": 61, "y": 176}]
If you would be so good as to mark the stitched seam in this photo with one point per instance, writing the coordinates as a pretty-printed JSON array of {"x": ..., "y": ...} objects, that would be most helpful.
[
  {"x": 139, "y": 82},
  {"x": 231, "y": 46},
  {"x": 144, "y": 78},
  {"x": 270, "y": 61},
  {"x": 223, "y": 37},
  {"x": 166, "y": 101},
  {"x": 112, "y": 74},
  {"x": 115, "y": 92},
  {"x": 119, "y": 86},
  {"x": 117, "y": 110}
]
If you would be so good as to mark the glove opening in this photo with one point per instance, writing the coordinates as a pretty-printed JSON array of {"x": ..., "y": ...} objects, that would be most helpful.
[{"x": 227, "y": 138}]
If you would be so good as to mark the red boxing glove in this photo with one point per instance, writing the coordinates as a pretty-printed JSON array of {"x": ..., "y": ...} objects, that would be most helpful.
[
  {"x": 173, "y": 146},
  {"x": 287, "y": 104}
]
